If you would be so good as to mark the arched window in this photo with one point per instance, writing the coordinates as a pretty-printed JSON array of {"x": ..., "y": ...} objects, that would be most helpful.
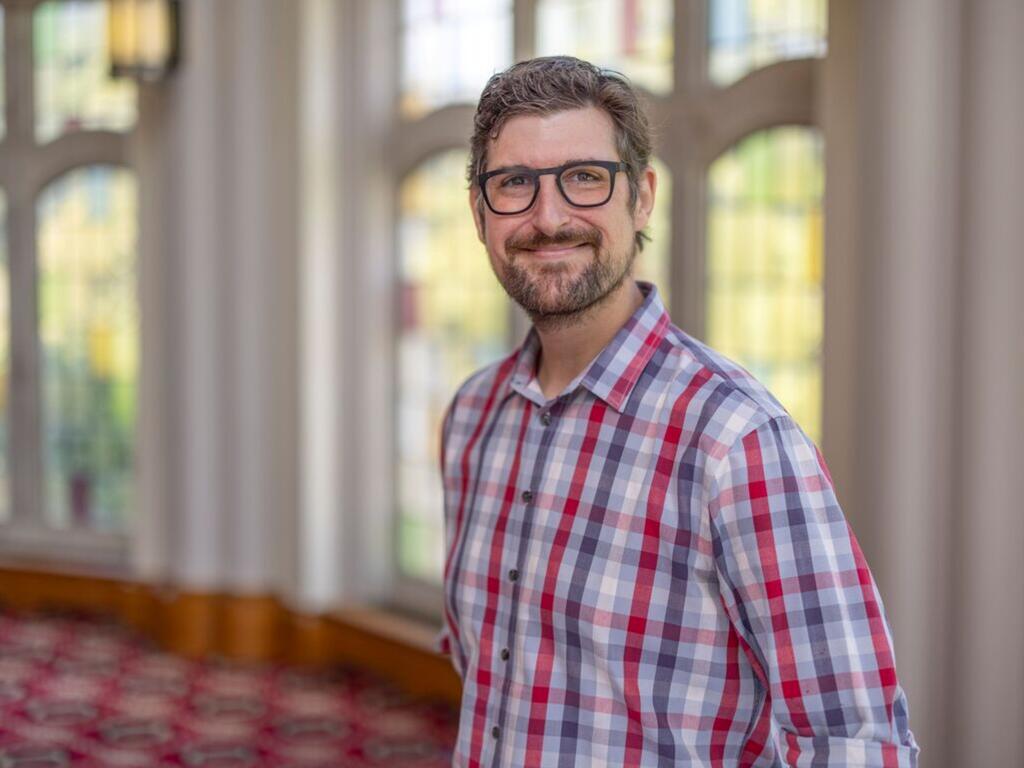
[
  {"x": 453, "y": 318},
  {"x": 765, "y": 264},
  {"x": 69, "y": 353},
  {"x": 88, "y": 336},
  {"x": 691, "y": 59}
]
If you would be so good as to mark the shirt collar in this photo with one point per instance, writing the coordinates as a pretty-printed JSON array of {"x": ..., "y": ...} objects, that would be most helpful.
[{"x": 612, "y": 375}]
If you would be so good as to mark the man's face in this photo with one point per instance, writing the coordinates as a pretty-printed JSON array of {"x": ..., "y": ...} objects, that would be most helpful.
[{"x": 556, "y": 260}]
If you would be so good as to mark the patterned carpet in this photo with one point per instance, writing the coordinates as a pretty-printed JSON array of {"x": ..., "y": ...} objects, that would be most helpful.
[{"x": 77, "y": 693}]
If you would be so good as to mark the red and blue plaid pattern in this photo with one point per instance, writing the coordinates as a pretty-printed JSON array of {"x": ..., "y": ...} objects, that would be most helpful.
[{"x": 653, "y": 569}]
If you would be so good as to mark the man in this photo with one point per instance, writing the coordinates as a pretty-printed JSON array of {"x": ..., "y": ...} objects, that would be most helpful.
[{"x": 646, "y": 563}]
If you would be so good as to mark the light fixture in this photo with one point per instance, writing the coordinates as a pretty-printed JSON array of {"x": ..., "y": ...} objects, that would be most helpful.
[{"x": 142, "y": 38}]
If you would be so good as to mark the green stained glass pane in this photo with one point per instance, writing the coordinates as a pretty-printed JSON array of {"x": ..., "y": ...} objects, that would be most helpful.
[
  {"x": 73, "y": 89},
  {"x": 89, "y": 340},
  {"x": 765, "y": 295},
  {"x": 744, "y": 35},
  {"x": 653, "y": 263},
  {"x": 449, "y": 50},
  {"x": 631, "y": 36},
  {"x": 5, "y": 366},
  {"x": 453, "y": 319}
]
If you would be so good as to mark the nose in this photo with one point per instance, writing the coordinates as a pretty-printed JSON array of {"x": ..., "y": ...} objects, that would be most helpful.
[{"x": 550, "y": 210}]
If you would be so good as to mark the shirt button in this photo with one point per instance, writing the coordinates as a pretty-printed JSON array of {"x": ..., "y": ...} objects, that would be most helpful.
[
  {"x": 495, "y": 731},
  {"x": 545, "y": 418},
  {"x": 513, "y": 575},
  {"x": 527, "y": 496},
  {"x": 504, "y": 654}
]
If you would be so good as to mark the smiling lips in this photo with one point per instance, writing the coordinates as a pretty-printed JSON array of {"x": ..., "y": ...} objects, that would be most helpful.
[
  {"x": 555, "y": 252},
  {"x": 560, "y": 245}
]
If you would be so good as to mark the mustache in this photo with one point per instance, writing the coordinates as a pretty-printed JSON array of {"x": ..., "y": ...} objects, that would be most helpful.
[{"x": 537, "y": 240}]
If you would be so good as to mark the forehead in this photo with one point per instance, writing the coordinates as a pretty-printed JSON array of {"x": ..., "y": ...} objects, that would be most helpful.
[{"x": 541, "y": 141}]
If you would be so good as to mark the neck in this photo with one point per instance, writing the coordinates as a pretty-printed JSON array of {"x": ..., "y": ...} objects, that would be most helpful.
[{"x": 568, "y": 345}]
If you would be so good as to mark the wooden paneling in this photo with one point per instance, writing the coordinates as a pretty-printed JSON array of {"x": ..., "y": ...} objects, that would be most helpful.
[{"x": 244, "y": 627}]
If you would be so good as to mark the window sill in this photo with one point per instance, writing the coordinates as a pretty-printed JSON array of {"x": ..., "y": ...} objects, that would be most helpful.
[{"x": 415, "y": 632}]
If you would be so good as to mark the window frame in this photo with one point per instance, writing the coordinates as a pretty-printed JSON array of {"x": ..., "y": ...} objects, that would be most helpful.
[{"x": 27, "y": 168}]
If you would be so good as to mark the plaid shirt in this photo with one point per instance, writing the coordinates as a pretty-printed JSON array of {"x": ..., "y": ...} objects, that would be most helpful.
[{"x": 653, "y": 569}]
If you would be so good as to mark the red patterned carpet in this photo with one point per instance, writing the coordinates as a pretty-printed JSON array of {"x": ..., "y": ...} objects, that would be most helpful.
[{"x": 74, "y": 693}]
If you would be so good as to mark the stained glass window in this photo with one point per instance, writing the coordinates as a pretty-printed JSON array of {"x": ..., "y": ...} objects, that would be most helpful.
[
  {"x": 453, "y": 319},
  {"x": 744, "y": 35},
  {"x": 73, "y": 89},
  {"x": 653, "y": 263},
  {"x": 449, "y": 50},
  {"x": 630, "y": 36},
  {"x": 88, "y": 328},
  {"x": 765, "y": 296},
  {"x": 5, "y": 366}
]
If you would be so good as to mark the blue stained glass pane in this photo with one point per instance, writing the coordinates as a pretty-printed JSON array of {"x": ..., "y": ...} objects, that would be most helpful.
[
  {"x": 449, "y": 50},
  {"x": 744, "y": 35}
]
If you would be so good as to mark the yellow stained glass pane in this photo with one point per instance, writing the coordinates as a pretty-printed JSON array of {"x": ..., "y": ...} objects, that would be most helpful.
[
  {"x": 632, "y": 37},
  {"x": 453, "y": 318},
  {"x": 449, "y": 50},
  {"x": 73, "y": 88},
  {"x": 744, "y": 35},
  {"x": 89, "y": 342},
  {"x": 5, "y": 366},
  {"x": 765, "y": 295},
  {"x": 653, "y": 264}
]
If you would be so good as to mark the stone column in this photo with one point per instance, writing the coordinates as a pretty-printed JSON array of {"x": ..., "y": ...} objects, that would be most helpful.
[{"x": 987, "y": 717}]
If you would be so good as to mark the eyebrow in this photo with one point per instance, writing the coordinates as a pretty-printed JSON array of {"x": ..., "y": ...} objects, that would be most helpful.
[{"x": 570, "y": 161}]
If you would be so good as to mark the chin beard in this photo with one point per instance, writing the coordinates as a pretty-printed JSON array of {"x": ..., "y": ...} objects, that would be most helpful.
[{"x": 554, "y": 298}]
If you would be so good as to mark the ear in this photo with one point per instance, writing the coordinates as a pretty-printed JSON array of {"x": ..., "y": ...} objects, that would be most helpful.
[
  {"x": 647, "y": 187},
  {"x": 476, "y": 205}
]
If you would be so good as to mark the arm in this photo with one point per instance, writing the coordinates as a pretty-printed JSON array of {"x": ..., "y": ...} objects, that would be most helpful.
[
  {"x": 799, "y": 593},
  {"x": 446, "y": 637}
]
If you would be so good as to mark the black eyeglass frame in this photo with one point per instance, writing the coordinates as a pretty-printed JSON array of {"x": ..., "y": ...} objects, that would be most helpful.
[{"x": 612, "y": 166}]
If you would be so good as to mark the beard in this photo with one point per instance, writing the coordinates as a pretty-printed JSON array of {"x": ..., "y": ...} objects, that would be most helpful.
[{"x": 551, "y": 294}]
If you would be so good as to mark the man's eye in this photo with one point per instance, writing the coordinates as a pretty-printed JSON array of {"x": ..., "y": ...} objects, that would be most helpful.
[
  {"x": 583, "y": 176},
  {"x": 515, "y": 181}
]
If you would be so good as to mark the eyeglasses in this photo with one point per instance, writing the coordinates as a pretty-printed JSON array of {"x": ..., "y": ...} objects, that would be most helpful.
[{"x": 583, "y": 184}]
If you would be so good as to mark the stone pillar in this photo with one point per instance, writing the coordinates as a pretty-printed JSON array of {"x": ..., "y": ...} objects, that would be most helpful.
[
  {"x": 200, "y": 186},
  {"x": 988, "y": 706},
  {"x": 923, "y": 114},
  {"x": 222, "y": 237}
]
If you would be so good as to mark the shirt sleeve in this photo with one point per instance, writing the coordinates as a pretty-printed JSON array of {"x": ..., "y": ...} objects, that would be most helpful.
[{"x": 799, "y": 593}]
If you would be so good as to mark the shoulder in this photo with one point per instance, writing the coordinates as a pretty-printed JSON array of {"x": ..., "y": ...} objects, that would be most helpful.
[
  {"x": 714, "y": 399},
  {"x": 481, "y": 388},
  {"x": 476, "y": 397}
]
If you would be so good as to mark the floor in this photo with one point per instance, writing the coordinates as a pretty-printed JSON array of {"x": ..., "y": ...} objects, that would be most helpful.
[{"x": 74, "y": 692}]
